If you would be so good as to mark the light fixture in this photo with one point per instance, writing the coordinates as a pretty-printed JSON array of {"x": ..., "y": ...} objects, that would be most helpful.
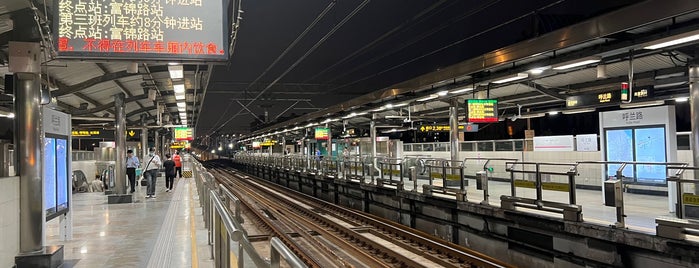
[
  {"x": 538, "y": 70},
  {"x": 181, "y": 105},
  {"x": 673, "y": 40},
  {"x": 641, "y": 104},
  {"x": 577, "y": 63},
  {"x": 179, "y": 88},
  {"x": 462, "y": 90},
  {"x": 532, "y": 115},
  {"x": 510, "y": 78},
  {"x": 11, "y": 115},
  {"x": 388, "y": 106},
  {"x": 577, "y": 111},
  {"x": 682, "y": 99},
  {"x": 430, "y": 97},
  {"x": 213, "y": 151},
  {"x": 443, "y": 93},
  {"x": 176, "y": 71},
  {"x": 553, "y": 112}
]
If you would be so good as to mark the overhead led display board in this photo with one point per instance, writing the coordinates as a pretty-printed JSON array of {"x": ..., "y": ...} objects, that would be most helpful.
[
  {"x": 147, "y": 29},
  {"x": 322, "y": 133},
  {"x": 438, "y": 128},
  {"x": 608, "y": 97},
  {"x": 482, "y": 111},
  {"x": 184, "y": 134}
]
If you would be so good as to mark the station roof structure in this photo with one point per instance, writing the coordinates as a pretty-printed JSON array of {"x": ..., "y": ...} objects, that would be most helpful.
[{"x": 299, "y": 63}]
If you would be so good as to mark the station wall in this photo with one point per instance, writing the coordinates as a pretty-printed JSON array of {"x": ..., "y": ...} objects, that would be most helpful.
[{"x": 9, "y": 225}]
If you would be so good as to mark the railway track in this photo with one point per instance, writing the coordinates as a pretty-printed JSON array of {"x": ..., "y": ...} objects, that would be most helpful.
[{"x": 323, "y": 234}]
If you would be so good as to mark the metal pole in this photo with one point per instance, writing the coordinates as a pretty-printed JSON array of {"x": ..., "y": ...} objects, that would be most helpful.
[
  {"x": 28, "y": 138},
  {"x": 372, "y": 134},
  {"x": 120, "y": 139},
  {"x": 144, "y": 142},
  {"x": 454, "y": 130},
  {"x": 329, "y": 145},
  {"x": 156, "y": 141},
  {"x": 694, "y": 113}
]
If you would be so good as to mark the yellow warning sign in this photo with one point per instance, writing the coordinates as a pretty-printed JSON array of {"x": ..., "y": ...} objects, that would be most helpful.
[
  {"x": 690, "y": 199},
  {"x": 453, "y": 177},
  {"x": 525, "y": 184},
  {"x": 555, "y": 186}
]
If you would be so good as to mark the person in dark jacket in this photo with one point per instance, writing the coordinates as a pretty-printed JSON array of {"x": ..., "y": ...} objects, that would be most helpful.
[{"x": 169, "y": 166}]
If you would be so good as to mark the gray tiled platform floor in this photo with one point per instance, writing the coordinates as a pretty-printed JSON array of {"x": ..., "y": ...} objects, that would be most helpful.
[{"x": 125, "y": 235}]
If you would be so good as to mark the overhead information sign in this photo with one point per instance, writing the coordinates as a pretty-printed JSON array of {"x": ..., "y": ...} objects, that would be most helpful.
[
  {"x": 184, "y": 134},
  {"x": 145, "y": 29},
  {"x": 131, "y": 134},
  {"x": 482, "y": 111},
  {"x": 178, "y": 145},
  {"x": 438, "y": 128},
  {"x": 322, "y": 133},
  {"x": 609, "y": 97}
]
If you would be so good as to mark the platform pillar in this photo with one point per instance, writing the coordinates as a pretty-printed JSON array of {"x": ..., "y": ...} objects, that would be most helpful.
[
  {"x": 329, "y": 145},
  {"x": 28, "y": 126},
  {"x": 120, "y": 140},
  {"x": 454, "y": 129},
  {"x": 694, "y": 113}
]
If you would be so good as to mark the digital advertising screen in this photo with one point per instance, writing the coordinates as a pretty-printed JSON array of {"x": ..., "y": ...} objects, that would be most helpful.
[
  {"x": 619, "y": 144},
  {"x": 322, "y": 133},
  {"x": 50, "y": 175},
  {"x": 649, "y": 146},
  {"x": 62, "y": 175},
  {"x": 168, "y": 30},
  {"x": 482, "y": 111}
]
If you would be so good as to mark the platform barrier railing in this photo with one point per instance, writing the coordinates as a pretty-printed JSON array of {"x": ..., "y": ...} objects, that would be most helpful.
[
  {"x": 615, "y": 186},
  {"x": 683, "y": 224},
  {"x": 226, "y": 234},
  {"x": 354, "y": 168},
  {"x": 391, "y": 172},
  {"x": 451, "y": 175},
  {"x": 482, "y": 176},
  {"x": 571, "y": 211}
]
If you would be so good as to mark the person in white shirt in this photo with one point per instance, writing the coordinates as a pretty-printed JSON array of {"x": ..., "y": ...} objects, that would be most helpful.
[{"x": 151, "y": 172}]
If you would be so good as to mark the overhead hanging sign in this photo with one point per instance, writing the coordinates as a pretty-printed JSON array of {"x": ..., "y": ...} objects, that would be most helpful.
[
  {"x": 131, "y": 134},
  {"x": 322, "y": 133},
  {"x": 482, "y": 111},
  {"x": 438, "y": 128},
  {"x": 150, "y": 29},
  {"x": 178, "y": 145},
  {"x": 184, "y": 134},
  {"x": 609, "y": 97}
]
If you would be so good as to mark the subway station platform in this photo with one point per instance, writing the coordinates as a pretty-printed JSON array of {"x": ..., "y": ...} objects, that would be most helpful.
[{"x": 163, "y": 232}]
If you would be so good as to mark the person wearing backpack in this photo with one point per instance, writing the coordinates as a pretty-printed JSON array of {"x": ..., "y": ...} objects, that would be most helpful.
[
  {"x": 169, "y": 166},
  {"x": 151, "y": 172},
  {"x": 178, "y": 164}
]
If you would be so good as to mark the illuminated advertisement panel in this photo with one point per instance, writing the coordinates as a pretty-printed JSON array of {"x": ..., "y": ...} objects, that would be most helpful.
[
  {"x": 482, "y": 111},
  {"x": 153, "y": 29},
  {"x": 50, "y": 175},
  {"x": 618, "y": 146},
  {"x": 649, "y": 146},
  {"x": 184, "y": 134},
  {"x": 256, "y": 145},
  {"x": 322, "y": 133}
]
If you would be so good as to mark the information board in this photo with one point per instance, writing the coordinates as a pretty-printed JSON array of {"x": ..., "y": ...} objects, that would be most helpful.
[
  {"x": 322, "y": 133},
  {"x": 184, "y": 134},
  {"x": 649, "y": 146},
  {"x": 438, "y": 128},
  {"x": 586, "y": 143},
  {"x": 50, "y": 175},
  {"x": 256, "y": 145},
  {"x": 482, "y": 111},
  {"x": 145, "y": 29},
  {"x": 554, "y": 143}
]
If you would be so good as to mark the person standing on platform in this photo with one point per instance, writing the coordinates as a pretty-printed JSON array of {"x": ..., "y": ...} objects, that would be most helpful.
[
  {"x": 151, "y": 172},
  {"x": 178, "y": 164},
  {"x": 131, "y": 166},
  {"x": 169, "y": 166}
]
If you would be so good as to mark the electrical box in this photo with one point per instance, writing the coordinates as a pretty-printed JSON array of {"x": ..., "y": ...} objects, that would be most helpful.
[
  {"x": 612, "y": 193},
  {"x": 482, "y": 180}
]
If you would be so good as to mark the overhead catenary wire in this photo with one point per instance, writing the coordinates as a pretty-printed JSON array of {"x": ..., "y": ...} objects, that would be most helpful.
[
  {"x": 311, "y": 50},
  {"x": 274, "y": 63}
]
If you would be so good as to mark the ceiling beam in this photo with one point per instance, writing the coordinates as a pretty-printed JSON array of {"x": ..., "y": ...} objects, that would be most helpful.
[
  {"x": 111, "y": 105},
  {"x": 544, "y": 90}
]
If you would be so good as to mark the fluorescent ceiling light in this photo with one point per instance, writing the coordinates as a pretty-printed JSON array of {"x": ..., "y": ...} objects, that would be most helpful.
[
  {"x": 443, "y": 93},
  {"x": 182, "y": 109},
  {"x": 179, "y": 96},
  {"x": 377, "y": 109},
  {"x": 350, "y": 115},
  {"x": 181, "y": 105},
  {"x": 461, "y": 90},
  {"x": 388, "y": 106},
  {"x": 577, "y": 111},
  {"x": 673, "y": 40},
  {"x": 179, "y": 88},
  {"x": 534, "y": 115},
  {"x": 682, "y": 99},
  {"x": 430, "y": 97},
  {"x": 577, "y": 63},
  {"x": 553, "y": 112},
  {"x": 400, "y": 104},
  {"x": 538, "y": 70},
  {"x": 176, "y": 71},
  {"x": 510, "y": 78},
  {"x": 642, "y": 104}
]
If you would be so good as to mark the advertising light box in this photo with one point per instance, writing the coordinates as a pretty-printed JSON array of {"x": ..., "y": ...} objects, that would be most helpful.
[
  {"x": 184, "y": 134},
  {"x": 482, "y": 111},
  {"x": 152, "y": 29}
]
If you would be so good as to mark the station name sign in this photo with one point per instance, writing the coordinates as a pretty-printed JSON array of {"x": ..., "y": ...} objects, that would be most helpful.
[
  {"x": 609, "y": 97},
  {"x": 144, "y": 29},
  {"x": 482, "y": 111}
]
